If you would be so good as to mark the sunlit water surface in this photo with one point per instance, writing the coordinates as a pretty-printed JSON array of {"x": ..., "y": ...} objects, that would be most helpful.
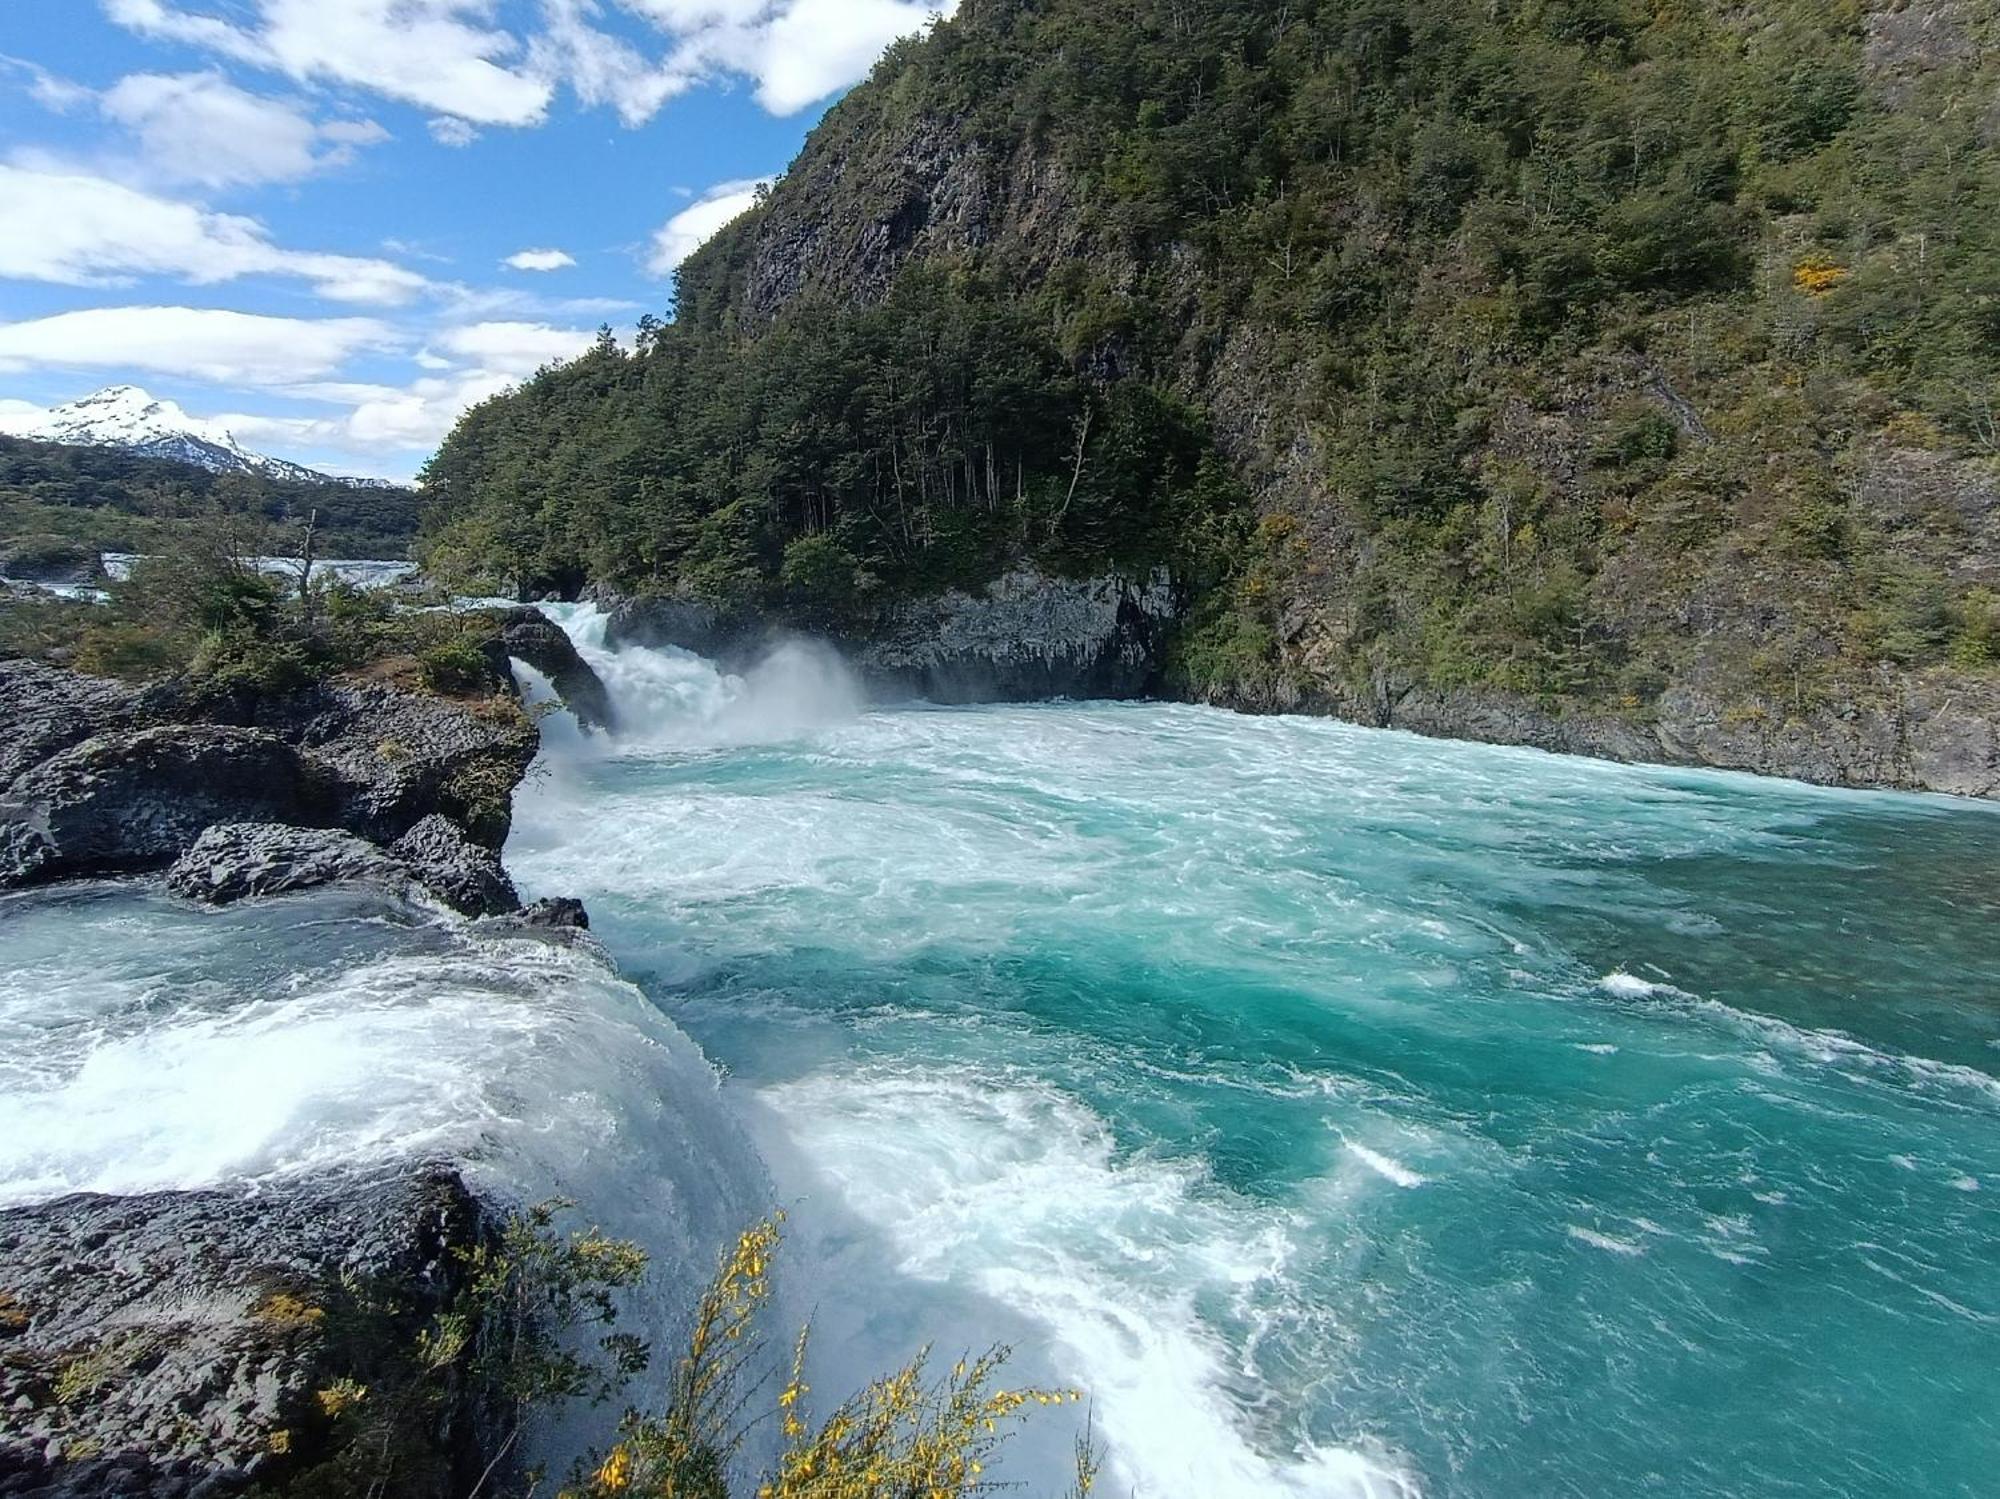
[
  {"x": 1342, "y": 1110},
  {"x": 1346, "y": 1113}
]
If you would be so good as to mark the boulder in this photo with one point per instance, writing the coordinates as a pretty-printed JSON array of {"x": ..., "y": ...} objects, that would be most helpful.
[
  {"x": 174, "y": 1344},
  {"x": 392, "y": 758},
  {"x": 466, "y": 875},
  {"x": 555, "y": 914},
  {"x": 139, "y": 799},
  {"x": 234, "y": 861}
]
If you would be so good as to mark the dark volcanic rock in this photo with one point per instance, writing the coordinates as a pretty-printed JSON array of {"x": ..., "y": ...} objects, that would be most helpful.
[
  {"x": 234, "y": 861},
  {"x": 530, "y": 636},
  {"x": 653, "y": 622},
  {"x": 139, "y": 799},
  {"x": 171, "y": 1344},
  {"x": 46, "y": 710},
  {"x": 392, "y": 758},
  {"x": 100, "y": 778},
  {"x": 557, "y": 913},
  {"x": 468, "y": 876},
  {"x": 1026, "y": 637}
]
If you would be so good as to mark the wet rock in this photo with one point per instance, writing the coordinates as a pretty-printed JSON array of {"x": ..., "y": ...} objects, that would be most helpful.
[
  {"x": 1028, "y": 636},
  {"x": 235, "y": 861},
  {"x": 392, "y": 758},
  {"x": 139, "y": 799},
  {"x": 530, "y": 636},
  {"x": 556, "y": 913},
  {"x": 465, "y": 874},
  {"x": 170, "y": 1345}
]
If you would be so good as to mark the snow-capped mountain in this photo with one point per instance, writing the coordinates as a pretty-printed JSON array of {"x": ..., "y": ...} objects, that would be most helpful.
[{"x": 124, "y": 416}]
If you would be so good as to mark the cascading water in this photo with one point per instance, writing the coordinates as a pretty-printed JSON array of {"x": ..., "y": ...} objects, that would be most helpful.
[{"x": 1348, "y": 1113}]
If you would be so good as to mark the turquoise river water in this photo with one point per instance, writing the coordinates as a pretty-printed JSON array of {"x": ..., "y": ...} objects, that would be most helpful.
[{"x": 1346, "y": 1113}]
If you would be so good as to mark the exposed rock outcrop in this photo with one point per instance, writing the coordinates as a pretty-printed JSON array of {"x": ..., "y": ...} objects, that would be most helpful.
[
  {"x": 234, "y": 861},
  {"x": 531, "y": 637},
  {"x": 1027, "y": 636},
  {"x": 468, "y": 876},
  {"x": 173, "y": 1344},
  {"x": 137, "y": 800},
  {"x": 101, "y": 778}
]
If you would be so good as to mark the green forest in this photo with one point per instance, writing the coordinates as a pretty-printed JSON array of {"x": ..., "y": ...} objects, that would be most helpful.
[
  {"x": 1569, "y": 347},
  {"x": 120, "y": 501}
]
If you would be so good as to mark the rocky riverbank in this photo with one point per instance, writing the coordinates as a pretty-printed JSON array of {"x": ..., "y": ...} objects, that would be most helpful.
[
  {"x": 1900, "y": 733},
  {"x": 203, "y": 1342},
  {"x": 1029, "y": 636}
]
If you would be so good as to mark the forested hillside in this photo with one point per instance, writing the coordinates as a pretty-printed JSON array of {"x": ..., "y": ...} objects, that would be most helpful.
[
  {"x": 131, "y": 502},
  {"x": 1572, "y": 351}
]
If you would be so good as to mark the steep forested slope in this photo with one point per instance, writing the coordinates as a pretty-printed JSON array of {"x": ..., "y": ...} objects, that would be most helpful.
[{"x": 1613, "y": 373}]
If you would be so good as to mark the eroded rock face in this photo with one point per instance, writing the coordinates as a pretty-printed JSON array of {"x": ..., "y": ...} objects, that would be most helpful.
[
  {"x": 234, "y": 861},
  {"x": 173, "y": 1344},
  {"x": 392, "y": 758},
  {"x": 99, "y": 778},
  {"x": 466, "y": 875},
  {"x": 1028, "y": 636},
  {"x": 139, "y": 799},
  {"x": 530, "y": 636},
  {"x": 1025, "y": 637}
]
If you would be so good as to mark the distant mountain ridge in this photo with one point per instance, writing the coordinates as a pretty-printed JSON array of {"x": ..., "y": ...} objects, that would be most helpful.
[{"x": 126, "y": 416}]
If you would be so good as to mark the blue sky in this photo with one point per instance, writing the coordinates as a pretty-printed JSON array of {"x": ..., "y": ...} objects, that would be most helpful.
[{"x": 329, "y": 225}]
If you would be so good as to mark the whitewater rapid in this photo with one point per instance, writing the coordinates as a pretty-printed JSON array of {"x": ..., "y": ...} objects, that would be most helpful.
[
  {"x": 1349, "y": 1114},
  {"x": 1346, "y": 1114}
]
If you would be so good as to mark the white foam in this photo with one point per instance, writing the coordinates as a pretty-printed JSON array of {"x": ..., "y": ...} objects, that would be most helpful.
[
  {"x": 1630, "y": 986},
  {"x": 1386, "y": 1166},
  {"x": 1006, "y": 1188},
  {"x": 673, "y": 699},
  {"x": 1605, "y": 1242}
]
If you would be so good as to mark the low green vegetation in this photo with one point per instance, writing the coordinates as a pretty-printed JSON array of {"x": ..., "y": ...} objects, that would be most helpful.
[
  {"x": 1571, "y": 347},
  {"x": 206, "y": 611},
  {"x": 533, "y": 1329},
  {"x": 112, "y": 500}
]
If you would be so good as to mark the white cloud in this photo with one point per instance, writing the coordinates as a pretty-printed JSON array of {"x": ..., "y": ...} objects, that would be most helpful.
[
  {"x": 199, "y": 127},
  {"x": 234, "y": 348},
  {"x": 815, "y": 47},
  {"x": 383, "y": 421},
  {"x": 514, "y": 348},
  {"x": 601, "y": 68},
  {"x": 540, "y": 260},
  {"x": 451, "y": 57},
  {"x": 78, "y": 230},
  {"x": 449, "y": 130},
  {"x": 691, "y": 228},
  {"x": 436, "y": 54}
]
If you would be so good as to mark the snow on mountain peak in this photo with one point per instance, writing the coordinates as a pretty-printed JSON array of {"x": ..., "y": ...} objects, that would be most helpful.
[{"x": 126, "y": 416}]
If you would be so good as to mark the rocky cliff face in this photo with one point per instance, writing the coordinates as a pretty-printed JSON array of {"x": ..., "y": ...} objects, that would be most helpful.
[
  {"x": 98, "y": 778},
  {"x": 1024, "y": 637},
  {"x": 1798, "y": 574},
  {"x": 180, "y": 1344}
]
